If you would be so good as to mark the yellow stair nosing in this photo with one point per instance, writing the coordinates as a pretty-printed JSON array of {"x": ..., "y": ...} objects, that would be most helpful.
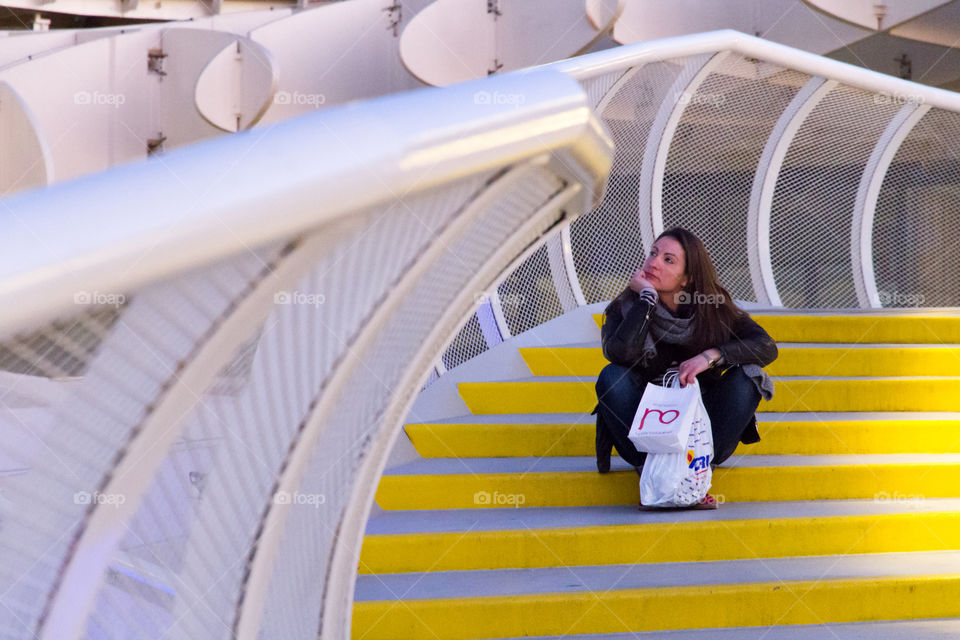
[
  {"x": 741, "y": 484},
  {"x": 663, "y": 608},
  {"x": 659, "y": 542},
  {"x": 856, "y": 393},
  {"x": 519, "y": 439}
]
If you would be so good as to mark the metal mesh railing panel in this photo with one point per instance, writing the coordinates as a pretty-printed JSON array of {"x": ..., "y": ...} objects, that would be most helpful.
[
  {"x": 468, "y": 343},
  {"x": 607, "y": 245},
  {"x": 84, "y": 426},
  {"x": 64, "y": 348},
  {"x": 528, "y": 296},
  {"x": 916, "y": 227},
  {"x": 190, "y": 540},
  {"x": 713, "y": 157},
  {"x": 598, "y": 87},
  {"x": 812, "y": 210},
  {"x": 337, "y": 349},
  {"x": 293, "y": 605}
]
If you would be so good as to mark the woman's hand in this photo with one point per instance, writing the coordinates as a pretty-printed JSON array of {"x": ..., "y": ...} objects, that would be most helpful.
[
  {"x": 639, "y": 281},
  {"x": 689, "y": 369}
]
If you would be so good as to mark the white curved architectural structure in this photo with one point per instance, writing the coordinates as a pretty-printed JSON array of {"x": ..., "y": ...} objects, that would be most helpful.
[
  {"x": 479, "y": 181},
  {"x": 877, "y": 15},
  {"x": 782, "y": 21},
  {"x": 165, "y": 10},
  {"x": 452, "y": 40},
  {"x": 80, "y": 105},
  {"x": 209, "y": 355}
]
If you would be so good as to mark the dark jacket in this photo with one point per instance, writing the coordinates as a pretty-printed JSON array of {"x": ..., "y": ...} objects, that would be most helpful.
[{"x": 623, "y": 335}]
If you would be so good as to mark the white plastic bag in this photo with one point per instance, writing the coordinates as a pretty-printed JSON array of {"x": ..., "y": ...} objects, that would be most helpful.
[
  {"x": 663, "y": 419},
  {"x": 681, "y": 479}
]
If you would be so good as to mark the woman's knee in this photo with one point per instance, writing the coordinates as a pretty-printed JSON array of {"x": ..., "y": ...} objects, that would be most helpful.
[
  {"x": 612, "y": 376},
  {"x": 737, "y": 382}
]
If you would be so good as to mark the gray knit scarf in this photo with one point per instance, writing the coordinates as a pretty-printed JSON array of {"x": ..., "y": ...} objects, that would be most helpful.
[{"x": 667, "y": 328}]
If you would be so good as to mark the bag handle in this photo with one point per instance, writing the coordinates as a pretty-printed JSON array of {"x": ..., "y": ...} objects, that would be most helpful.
[{"x": 671, "y": 379}]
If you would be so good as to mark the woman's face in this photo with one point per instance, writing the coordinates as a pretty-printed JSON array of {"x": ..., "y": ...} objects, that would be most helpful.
[{"x": 665, "y": 267}]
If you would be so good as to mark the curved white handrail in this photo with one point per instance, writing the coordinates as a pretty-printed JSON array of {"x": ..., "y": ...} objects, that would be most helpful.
[
  {"x": 418, "y": 157},
  {"x": 602, "y": 62},
  {"x": 195, "y": 210},
  {"x": 176, "y": 232},
  {"x": 347, "y": 550}
]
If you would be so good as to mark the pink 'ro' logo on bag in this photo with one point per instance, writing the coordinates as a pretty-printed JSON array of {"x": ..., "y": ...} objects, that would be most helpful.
[{"x": 662, "y": 415}]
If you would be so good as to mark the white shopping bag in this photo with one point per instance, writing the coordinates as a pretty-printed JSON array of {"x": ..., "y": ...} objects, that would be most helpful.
[
  {"x": 663, "y": 419},
  {"x": 681, "y": 479}
]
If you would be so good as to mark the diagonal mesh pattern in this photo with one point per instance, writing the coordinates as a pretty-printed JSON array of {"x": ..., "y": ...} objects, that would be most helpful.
[
  {"x": 915, "y": 229},
  {"x": 381, "y": 376},
  {"x": 468, "y": 343},
  {"x": 63, "y": 349},
  {"x": 607, "y": 246},
  {"x": 84, "y": 426},
  {"x": 713, "y": 158},
  {"x": 812, "y": 210},
  {"x": 528, "y": 296},
  {"x": 367, "y": 304},
  {"x": 185, "y": 552},
  {"x": 598, "y": 87}
]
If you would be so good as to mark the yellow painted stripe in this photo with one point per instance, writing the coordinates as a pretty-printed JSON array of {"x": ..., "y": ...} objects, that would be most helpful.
[
  {"x": 651, "y": 609},
  {"x": 740, "y": 484},
  {"x": 660, "y": 542},
  {"x": 855, "y": 437},
  {"x": 499, "y": 440},
  {"x": 832, "y": 361},
  {"x": 831, "y": 394},
  {"x": 906, "y": 328}
]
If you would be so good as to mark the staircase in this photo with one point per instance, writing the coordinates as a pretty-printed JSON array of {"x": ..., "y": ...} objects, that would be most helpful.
[{"x": 843, "y": 522}]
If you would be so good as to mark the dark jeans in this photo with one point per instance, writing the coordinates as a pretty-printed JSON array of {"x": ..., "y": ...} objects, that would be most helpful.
[{"x": 730, "y": 401}]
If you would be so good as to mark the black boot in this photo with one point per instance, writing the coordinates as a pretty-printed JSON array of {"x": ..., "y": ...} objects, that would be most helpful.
[{"x": 604, "y": 445}]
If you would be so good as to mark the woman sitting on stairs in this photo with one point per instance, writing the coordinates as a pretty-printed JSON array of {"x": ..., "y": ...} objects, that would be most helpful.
[{"x": 674, "y": 314}]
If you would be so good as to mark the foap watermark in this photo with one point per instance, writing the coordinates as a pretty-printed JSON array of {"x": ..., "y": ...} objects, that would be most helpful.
[
  {"x": 699, "y": 98},
  {"x": 499, "y": 499},
  {"x": 96, "y": 98},
  {"x": 99, "y": 298},
  {"x": 301, "y": 499},
  {"x": 898, "y": 99},
  {"x": 109, "y": 499},
  {"x": 697, "y": 297},
  {"x": 297, "y": 98},
  {"x": 498, "y": 97},
  {"x": 898, "y": 299},
  {"x": 299, "y": 297},
  {"x": 896, "y": 496},
  {"x": 506, "y": 300}
]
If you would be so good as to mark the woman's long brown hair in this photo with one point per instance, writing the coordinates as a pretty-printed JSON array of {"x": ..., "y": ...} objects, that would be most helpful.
[{"x": 715, "y": 310}]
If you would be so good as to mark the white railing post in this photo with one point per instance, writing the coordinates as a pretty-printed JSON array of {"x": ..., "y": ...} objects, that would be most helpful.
[
  {"x": 865, "y": 206},
  {"x": 649, "y": 211},
  {"x": 765, "y": 184}
]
